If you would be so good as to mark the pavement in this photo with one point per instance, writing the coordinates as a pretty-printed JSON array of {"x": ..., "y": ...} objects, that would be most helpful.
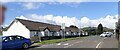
[{"x": 96, "y": 42}]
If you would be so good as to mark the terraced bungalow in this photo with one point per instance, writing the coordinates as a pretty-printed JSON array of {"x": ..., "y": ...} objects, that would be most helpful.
[{"x": 37, "y": 31}]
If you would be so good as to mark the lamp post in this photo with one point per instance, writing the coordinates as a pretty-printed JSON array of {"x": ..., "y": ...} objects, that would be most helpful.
[
  {"x": 39, "y": 35},
  {"x": 63, "y": 30}
]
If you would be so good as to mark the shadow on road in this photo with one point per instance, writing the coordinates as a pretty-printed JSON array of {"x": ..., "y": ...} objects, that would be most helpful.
[
  {"x": 29, "y": 48},
  {"x": 33, "y": 47}
]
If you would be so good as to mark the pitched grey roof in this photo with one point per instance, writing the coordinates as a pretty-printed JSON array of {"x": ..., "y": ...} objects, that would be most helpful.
[
  {"x": 39, "y": 26},
  {"x": 71, "y": 29},
  {"x": 33, "y": 25}
]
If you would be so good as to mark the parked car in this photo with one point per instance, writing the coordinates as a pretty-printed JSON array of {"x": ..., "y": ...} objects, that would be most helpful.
[
  {"x": 106, "y": 34},
  {"x": 15, "y": 42}
]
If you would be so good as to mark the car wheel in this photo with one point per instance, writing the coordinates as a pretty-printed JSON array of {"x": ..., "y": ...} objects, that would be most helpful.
[
  {"x": 105, "y": 35},
  {"x": 110, "y": 36},
  {"x": 25, "y": 46}
]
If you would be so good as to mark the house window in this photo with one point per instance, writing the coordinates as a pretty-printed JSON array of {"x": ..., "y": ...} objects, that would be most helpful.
[
  {"x": 36, "y": 34},
  {"x": 61, "y": 33},
  {"x": 58, "y": 33},
  {"x": 46, "y": 33},
  {"x": 52, "y": 33},
  {"x": 72, "y": 33}
]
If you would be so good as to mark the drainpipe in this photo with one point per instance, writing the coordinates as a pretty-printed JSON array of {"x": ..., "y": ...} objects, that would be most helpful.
[
  {"x": 39, "y": 37},
  {"x": 64, "y": 33}
]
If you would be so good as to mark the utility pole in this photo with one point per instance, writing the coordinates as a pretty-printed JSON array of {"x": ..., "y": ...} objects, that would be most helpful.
[
  {"x": 118, "y": 34},
  {"x": 118, "y": 26}
]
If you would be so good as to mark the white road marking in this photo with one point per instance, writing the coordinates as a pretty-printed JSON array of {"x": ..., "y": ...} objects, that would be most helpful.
[
  {"x": 58, "y": 44},
  {"x": 100, "y": 43},
  {"x": 46, "y": 45},
  {"x": 66, "y": 44},
  {"x": 72, "y": 44}
]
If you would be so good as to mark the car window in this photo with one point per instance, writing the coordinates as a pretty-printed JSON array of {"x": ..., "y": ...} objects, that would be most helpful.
[
  {"x": 19, "y": 37},
  {"x": 104, "y": 33},
  {"x": 107, "y": 33},
  {"x": 5, "y": 39},
  {"x": 12, "y": 38}
]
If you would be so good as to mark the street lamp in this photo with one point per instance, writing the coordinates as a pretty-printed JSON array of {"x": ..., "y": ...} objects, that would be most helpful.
[
  {"x": 63, "y": 30},
  {"x": 39, "y": 34}
]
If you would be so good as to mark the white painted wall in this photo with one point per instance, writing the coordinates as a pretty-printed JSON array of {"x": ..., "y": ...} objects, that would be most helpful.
[
  {"x": 67, "y": 34},
  {"x": 79, "y": 33},
  {"x": 83, "y": 33},
  {"x": 42, "y": 33},
  {"x": 86, "y": 33},
  {"x": 74, "y": 33},
  {"x": 17, "y": 28},
  {"x": 48, "y": 32},
  {"x": 61, "y": 32}
]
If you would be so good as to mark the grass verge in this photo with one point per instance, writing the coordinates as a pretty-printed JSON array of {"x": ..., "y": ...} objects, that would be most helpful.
[{"x": 58, "y": 40}]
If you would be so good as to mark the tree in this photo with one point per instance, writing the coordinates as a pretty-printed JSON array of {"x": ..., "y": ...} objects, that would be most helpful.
[
  {"x": 72, "y": 26},
  {"x": 100, "y": 29},
  {"x": 94, "y": 30},
  {"x": 90, "y": 30},
  {"x": 105, "y": 29}
]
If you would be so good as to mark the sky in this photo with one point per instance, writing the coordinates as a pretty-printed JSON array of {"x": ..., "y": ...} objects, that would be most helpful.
[{"x": 80, "y": 14}]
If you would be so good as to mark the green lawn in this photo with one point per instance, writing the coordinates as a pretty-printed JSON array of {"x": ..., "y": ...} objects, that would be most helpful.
[{"x": 57, "y": 40}]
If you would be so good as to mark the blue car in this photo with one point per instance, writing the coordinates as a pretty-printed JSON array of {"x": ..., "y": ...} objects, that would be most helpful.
[{"x": 15, "y": 42}]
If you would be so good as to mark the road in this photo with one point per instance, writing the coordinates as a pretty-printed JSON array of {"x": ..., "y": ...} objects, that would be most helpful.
[{"x": 86, "y": 42}]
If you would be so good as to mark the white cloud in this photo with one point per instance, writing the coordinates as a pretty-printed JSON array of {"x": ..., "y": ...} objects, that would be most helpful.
[
  {"x": 31, "y": 5},
  {"x": 108, "y": 21},
  {"x": 74, "y": 4},
  {"x": 22, "y": 17}
]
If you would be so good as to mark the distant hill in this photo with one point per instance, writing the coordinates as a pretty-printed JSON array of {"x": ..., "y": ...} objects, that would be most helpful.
[
  {"x": 105, "y": 29},
  {"x": 93, "y": 30}
]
